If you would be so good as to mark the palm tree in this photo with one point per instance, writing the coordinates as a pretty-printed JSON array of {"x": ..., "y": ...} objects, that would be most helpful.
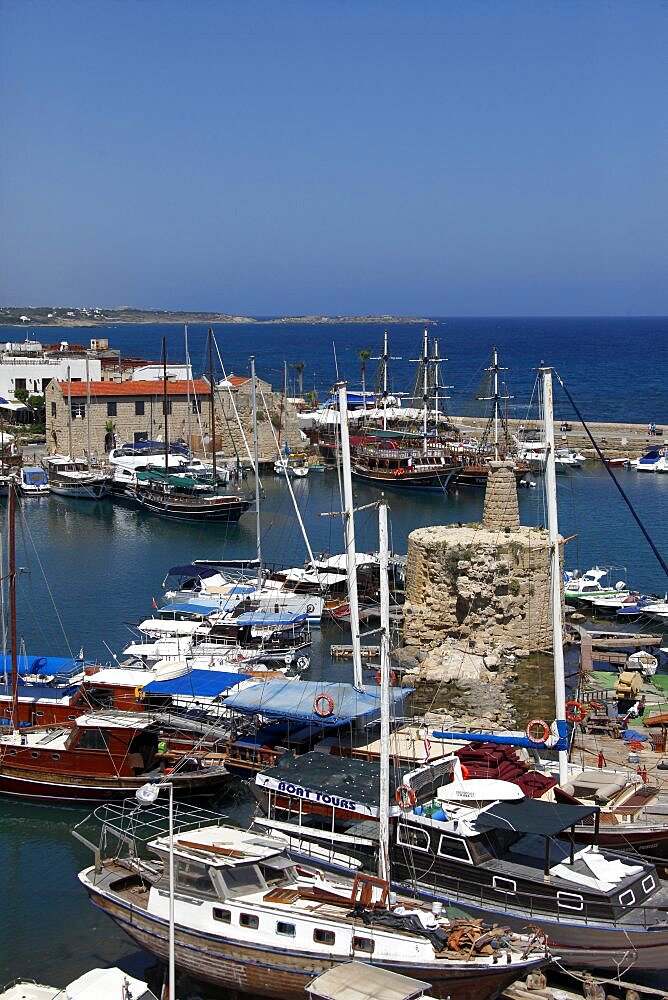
[
  {"x": 299, "y": 367},
  {"x": 364, "y": 354}
]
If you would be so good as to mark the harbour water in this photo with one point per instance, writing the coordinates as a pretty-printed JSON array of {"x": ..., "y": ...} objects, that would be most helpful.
[{"x": 93, "y": 569}]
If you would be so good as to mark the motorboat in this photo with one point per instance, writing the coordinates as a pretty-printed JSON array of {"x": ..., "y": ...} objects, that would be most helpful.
[
  {"x": 654, "y": 460},
  {"x": 644, "y": 662},
  {"x": 74, "y": 478},
  {"x": 97, "y": 984},
  {"x": 587, "y": 586},
  {"x": 568, "y": 458},
  {"x": 32, "y": 482},
  {"x": 292, "y": 464}
]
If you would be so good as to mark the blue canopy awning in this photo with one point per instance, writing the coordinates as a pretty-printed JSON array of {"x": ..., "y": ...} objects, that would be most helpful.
[
  {"x": 269, "y": 619},
  {"x": 189, "y": 609},
  {"x": 196, "y": 683},
  {"x": 189, "y": 569},
  {"x": 299, "y": 700},
  {"x": 28, "y": 663}
]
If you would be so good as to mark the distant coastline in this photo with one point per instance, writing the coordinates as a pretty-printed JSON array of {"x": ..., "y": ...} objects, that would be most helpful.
[{"x": 37, "y": 316}]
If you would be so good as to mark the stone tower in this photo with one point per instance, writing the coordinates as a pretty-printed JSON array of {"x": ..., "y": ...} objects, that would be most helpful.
[{"x": 484, "y": 583}]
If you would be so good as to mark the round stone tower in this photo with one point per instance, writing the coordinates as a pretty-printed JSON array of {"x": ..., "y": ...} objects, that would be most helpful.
[{"x": 485, "y": 583}]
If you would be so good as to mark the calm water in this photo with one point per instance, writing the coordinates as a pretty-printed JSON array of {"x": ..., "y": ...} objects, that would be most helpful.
[{"x": 93, "y": 569}]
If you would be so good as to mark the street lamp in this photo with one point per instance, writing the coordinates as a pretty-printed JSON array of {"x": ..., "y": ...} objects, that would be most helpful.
[{"x": 146, "y": 795}]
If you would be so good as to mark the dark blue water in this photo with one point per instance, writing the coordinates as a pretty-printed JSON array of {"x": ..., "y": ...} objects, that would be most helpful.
[
  {"x": 92, "y": 569},
  {"x": 614, "y": 368}
]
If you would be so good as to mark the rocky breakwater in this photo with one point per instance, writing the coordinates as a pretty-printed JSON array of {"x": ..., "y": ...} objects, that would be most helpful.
[{"x": 477, "y": 598}]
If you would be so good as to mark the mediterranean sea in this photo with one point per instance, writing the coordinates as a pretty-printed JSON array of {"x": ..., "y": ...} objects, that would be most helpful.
[{"x": 91, "y": 570}]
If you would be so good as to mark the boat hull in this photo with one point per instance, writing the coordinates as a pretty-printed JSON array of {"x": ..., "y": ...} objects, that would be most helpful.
[
  {"x": 72, "y": 788},
  {"x": 428, "y": 482},
  {"x": 229, "y": 511},
  {"x": 83, "y": 491},
  {"x": 272, "y": 972}
]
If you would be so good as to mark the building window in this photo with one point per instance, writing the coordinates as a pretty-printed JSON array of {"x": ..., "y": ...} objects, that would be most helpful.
[
  {"x": 53, "y": 411},
  {"x": 249, "y": 920},
  {"x": 139, "y": 408},
  {"x": 20, "y": 383},
  {"x": 321, "y": 936},
  {"x": 169, "y": 407},
  {"x": 78, "y": 410},
  {"x": 111, "y": 409},
  {"x": 197, "y": 406}
]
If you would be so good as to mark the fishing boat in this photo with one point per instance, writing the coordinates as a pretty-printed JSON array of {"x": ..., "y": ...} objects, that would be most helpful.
[{"x": 73, "y": 478}]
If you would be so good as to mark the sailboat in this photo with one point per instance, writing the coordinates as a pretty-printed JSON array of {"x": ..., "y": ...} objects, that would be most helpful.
[
  {"x": 247, "y": 918},
  {"x": 74, "y": 477},
  {"x": 176, "y": 496}
]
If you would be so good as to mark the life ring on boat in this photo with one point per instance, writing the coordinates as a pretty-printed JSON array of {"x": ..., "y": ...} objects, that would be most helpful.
[
  {"x": 575, "y": 711},
  {"x": 323, "y": 705},
  {"x": 532, "y": 735},
  {"x": 404, "y": 797},
  {"x": 465, "y": 772},
  {"x": 310, "y": 608},
  {"x": 393, "y": 677}
]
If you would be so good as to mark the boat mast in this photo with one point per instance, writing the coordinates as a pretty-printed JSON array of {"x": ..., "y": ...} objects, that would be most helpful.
[
  {"x": 88, "y": 438},
  {"x": 213, "y": 409},
  {"x": 425, "y": 388},
  {"x": 381, "y": 383},
  {"x": 12, "y": 605},
  {"x": 349, "y": 537},
  {"x": 384, "y": 784},
  {"x": 69, "y": 412},
  {"x": 495, "y": 398},
  {"x": 555, "y": 569},
  {"x": 256, "y": 463},
  {"x": 164, "y": 401},
  {"x": 188, "y": 406}
]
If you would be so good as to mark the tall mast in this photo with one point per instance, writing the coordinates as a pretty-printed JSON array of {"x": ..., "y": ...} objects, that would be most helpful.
[
  {"x": 12, "y": 605},
  {"x": 495, "y": 399},
  {"x": 437, "y": 374},
  {"x": 349, "y": 538},
  {"x": 88, "y": 444},
  {"x": 382, "y": 388},
  {"x": 69, "y": 413},
  {"x": 188, "y": 406},
  {"x": 213, "y": 408},
  {"x": 384, "y": 784},
  {"x": 555, "y": 569},
  {"x": 256, "y": 462},
  {"x": 425, "y": 388},
  {"x": 164, "y": 400}
]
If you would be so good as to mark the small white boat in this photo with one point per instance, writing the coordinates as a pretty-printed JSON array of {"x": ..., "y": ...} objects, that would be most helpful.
[
  {"x": 291, "y": 465},
  {"x": 643, "y": 662},
  {"x": 567, "y": 458},
  {"x": 654, "y": 460},
  {"x": 98, "y": 984},
  {"x": 588, "y": 587},
  {"x": 32, "y": 481}
]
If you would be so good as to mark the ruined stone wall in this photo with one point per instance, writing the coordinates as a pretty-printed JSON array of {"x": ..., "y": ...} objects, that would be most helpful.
[{"x": 488, "y": 588}]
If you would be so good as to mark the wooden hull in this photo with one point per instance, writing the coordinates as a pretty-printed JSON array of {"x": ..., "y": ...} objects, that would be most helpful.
[
  {"x": 272, "y": 972},
  {"x": 432, "y": 481},
  {"x": 222, "y": 509},
  {"x": 81, "y": 491},
  {"x": 20, "y": 783}
]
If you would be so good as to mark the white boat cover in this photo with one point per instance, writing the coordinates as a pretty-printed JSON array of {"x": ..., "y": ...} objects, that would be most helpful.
[{"x": 357, "y": 981}]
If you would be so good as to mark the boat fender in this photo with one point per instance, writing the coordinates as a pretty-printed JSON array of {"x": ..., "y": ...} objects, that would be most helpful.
[
  {"x": 575, "y": 711},
  {"x": 540, "y": 736},
  {"x": 323, "y": 705},
  {"x": 404, "y": 797},
  {"x": 393, "y": 678},
  {"x": 139, "y": 693},
  {"x": 303, "y": 662}
]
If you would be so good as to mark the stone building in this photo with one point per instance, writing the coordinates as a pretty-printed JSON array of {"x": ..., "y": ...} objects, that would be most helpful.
[
  {"x": 131, "y": 411},
  {"x": 485, "y": 586}
]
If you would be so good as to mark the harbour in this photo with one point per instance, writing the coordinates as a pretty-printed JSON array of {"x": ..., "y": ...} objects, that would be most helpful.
[{"x": 126, "y": 552}]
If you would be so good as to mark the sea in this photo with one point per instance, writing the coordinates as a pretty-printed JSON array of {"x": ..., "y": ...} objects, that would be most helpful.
[{"x": 90, "y": 571}]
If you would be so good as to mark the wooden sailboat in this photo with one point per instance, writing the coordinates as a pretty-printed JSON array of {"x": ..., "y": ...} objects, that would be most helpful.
[{"x": 178, "y": 497}]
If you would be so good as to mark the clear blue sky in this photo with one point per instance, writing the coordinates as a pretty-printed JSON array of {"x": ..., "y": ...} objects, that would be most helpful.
[{"x": 454, "y": 157}]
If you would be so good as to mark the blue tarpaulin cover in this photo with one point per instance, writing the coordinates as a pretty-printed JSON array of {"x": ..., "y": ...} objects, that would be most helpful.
[
  {"x": 190, "y": 608},
  {"x": 28, "y": 663},
  {"x": 297, "y": 700},
  {"x": 198, "y": 683}
]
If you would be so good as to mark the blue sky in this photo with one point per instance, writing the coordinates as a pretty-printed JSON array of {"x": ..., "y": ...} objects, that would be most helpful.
[{"x": 454, "y": 157}]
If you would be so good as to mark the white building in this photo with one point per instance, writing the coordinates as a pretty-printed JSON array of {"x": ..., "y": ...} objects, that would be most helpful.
[{"x": 31, "y": 367}]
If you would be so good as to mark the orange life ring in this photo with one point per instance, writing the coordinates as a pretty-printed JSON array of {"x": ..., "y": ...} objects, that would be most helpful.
[
  {"x": 534, "y": 737},
  {"x": 575, "y": 711},
  {"x": 393, "y": 678},
  {"x": 405, "y": 797},
  {"x": 323, "y": 710},
  {"x": 465, "y": 771}
]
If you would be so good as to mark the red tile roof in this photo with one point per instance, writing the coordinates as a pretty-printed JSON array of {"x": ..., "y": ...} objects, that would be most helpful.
[
  {"x": 145, "y": 387},
  {"x": 237, "y": 379}
]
